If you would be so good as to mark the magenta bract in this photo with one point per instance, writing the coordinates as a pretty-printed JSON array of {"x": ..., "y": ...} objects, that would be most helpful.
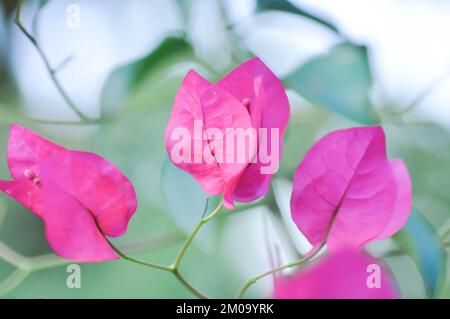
[
  {"x": 346, "y": 179},
  {"x": 250, "y": 98},
  {"x": 80, "y": 196},
  {"x": 340, "y": 275}
]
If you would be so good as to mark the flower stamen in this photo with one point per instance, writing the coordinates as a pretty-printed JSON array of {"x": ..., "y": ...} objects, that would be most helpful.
[
  {"x": 30, "y": 175},
  {"x": 246, "y": 103}
]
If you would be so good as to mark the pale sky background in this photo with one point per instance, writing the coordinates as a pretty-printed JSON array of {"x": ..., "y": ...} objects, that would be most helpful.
[{"x": 408, "y": 40}]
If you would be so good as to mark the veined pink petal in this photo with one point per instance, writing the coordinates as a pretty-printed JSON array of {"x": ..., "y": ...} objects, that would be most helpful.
[
  {"x": 340, "y": 275},
  {"x": 80, "y": 196},
  {"x": 269, "y": 109},
  {"x": 71, "y": 229},
  {"x": 346, "y": 179},
  {"x": 25, "y": 192},
  {"x": 26, "y": 149},
  {"x": 223, "y": 112},
  {"x": 403, "y": 201},
  {"x": 218, "y": 113},
  {"x": 187, "y": 109},
  {"x": 97, "y": 185}
]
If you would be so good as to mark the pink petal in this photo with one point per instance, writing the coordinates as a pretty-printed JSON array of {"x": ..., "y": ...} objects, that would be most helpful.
[
  {"x": 347, "y": 174},
  {"x": 340, "y": 275},
  {"x": 222, "y": 111},
  {"x": 186, "y": 110},
  {"x": 216, "y": 109},
  {"x": 26, "y": 149},
  {"x": 403, "y": 201},
  {"x": 71, "y": 229},
  {"x": 80, "y": 196},
  {"x": 269, "y": 108},
  {"x": 97, "y": 185},
  {"x": 25, "y": 192}
]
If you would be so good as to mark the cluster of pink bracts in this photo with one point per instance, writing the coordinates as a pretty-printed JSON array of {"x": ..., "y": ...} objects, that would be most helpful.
[{"x": 346, "y": 192}]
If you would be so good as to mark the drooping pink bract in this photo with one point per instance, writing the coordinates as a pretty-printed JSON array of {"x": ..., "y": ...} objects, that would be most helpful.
[{"x": 80, "y": 196}]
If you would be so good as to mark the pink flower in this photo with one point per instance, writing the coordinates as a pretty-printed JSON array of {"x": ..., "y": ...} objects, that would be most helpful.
[
  {"x": 341, "y": 275},
  {"x": 80, "y": 196},
  {"x": 209, "y": 122},
  {"x": 346, "y": 180}
]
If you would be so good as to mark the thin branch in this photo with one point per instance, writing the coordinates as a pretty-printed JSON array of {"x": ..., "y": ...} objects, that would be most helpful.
[
  {"x": 14, "y": 280},
  {"x": 174, "y": 268},
  {"x": 300, "y": 262},
  {"x": 188, "y": 285},
  {"x": 420, "y": 97},
  {"x": 12, "y": 257},
  {"x": 189, "y": 240},
  {"x": 426, "y": 92},
  {"x": 48, "y": 66},
  {"x": 278, "y": 269},
  {"x": 52, "y": 260},
  {"x": 63, "y": 64}
]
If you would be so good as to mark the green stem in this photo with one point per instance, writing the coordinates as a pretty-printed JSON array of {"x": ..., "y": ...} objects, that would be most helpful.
[
  {"x": 189, "y": 240},
  {"x": 169, "y": 269},
  {"x": 12, "y": 257},
  {"x": 275, "y": 270},
  {"x": 51, "y": 71},
  {"x": 295, "y": 263},
  {"x": 174, "y": 268},
  {"x": 138, "y": 261},
  {"x": 15, "y": 279},
  {"x": 51, "y": 260},
  {"x": 183, "y": 281}
]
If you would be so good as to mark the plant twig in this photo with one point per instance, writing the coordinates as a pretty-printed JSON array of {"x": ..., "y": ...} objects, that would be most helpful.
[
  {"x": 26, "y": 265},
  {"x": 51, "y": 71},
  {"x": 187, "y": 243},
  {"x": 52, "y": 260},
  {"x": 174, "y": 268},
  {"x": 14, "y": 280},
  {"x": 13, "y": 258},
  {"x": 422, "y": 95},
  {"x": 302, "y": 261},
  {"x": 277, "y": 269}
]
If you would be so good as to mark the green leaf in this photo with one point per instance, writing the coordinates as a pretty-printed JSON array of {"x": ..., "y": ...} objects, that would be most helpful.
[
  {"x": 184, "y": 197},
  {"x": 286, "y": 6},
  {"x": 43, "y": 3},
  {"x": 9, "y": 7},
  {"x": 339, "y": 81},
  {"x": 127, "y": 80},
  {"x": 420, "y": 240}
]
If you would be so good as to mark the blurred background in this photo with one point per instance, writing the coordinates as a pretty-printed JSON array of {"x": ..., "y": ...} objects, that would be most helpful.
[{"x": 344, "y": 63}]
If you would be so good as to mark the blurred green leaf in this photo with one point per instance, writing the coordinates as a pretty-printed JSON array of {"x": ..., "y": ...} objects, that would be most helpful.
[
  {"x": 42, "y": 3},
  {"x": 339, "y": 81},
  {"x": 420, "y": 240},
  {"x": 184, "y": 197},
  {"x": 9, "y": 6},
  {"x": 287, "y": 6},
  {"x": 127, "y": 79}
]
